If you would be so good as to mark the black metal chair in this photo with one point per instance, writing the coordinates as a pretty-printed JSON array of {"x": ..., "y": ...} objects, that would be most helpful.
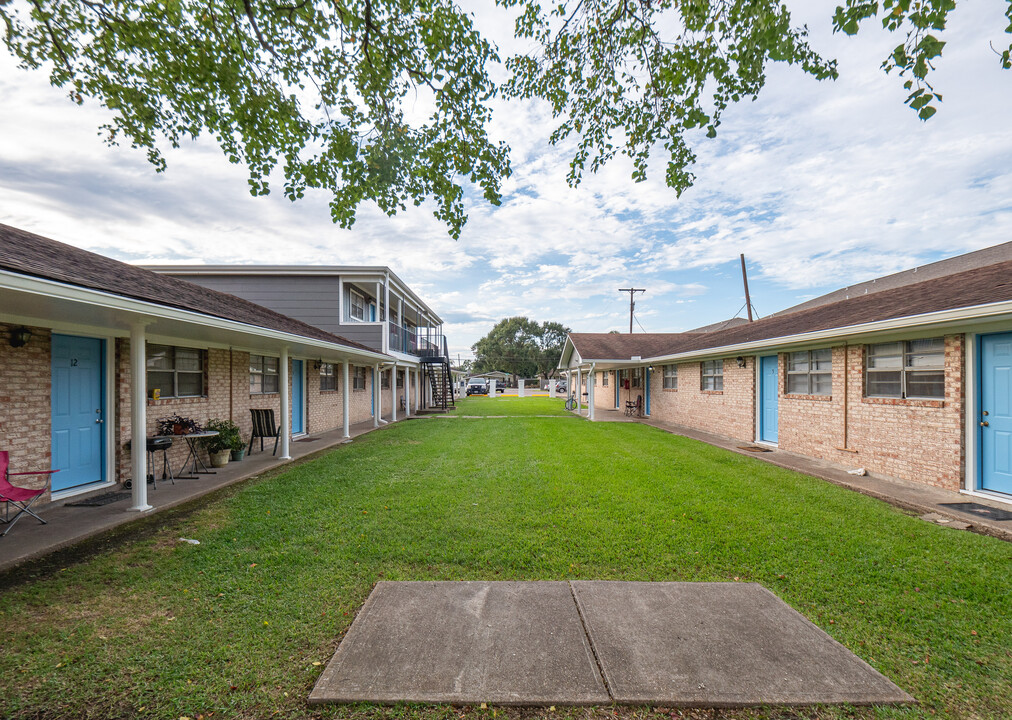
[
  {"x": 264, "y": 427},
  {"x": 634, "y": 407}
]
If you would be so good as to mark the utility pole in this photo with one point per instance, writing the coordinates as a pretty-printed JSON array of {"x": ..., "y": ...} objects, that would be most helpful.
[
  {"x": 744, "y": 277},
  {"x": 632, "y": 304}
]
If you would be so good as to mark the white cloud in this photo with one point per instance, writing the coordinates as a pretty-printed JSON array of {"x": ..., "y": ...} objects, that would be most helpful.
[{"x": 818, "y": 184}]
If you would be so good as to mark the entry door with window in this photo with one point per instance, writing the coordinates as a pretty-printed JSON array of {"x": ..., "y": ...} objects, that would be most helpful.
[
  {"x": 996, "y": 413},
  {"x": 769, "y": 396},
  {"x": 78, "y": 411}
]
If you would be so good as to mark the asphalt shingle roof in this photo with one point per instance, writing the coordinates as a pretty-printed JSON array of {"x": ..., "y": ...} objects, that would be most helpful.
[
  {"x": 29, "y": 254},
  {"x": 969, "y": 288},
  {"x": 614, "y": 346}
]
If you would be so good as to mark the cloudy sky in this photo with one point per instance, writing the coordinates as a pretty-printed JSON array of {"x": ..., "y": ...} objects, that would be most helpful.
[{"x": 819, "y": 184}]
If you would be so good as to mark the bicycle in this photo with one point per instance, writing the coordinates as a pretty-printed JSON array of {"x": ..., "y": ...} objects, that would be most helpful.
[{"x": 570, "y": 403}]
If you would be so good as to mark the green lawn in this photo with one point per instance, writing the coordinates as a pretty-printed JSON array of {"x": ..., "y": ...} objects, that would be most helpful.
[
  {"x": 506, "y": 405},
  {"x": 241, "y": 625}
]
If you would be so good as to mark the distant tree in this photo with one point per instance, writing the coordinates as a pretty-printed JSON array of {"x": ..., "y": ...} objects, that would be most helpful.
[
  {"x": 521, "y": 346},
  {"x": 550, "y": 344}
]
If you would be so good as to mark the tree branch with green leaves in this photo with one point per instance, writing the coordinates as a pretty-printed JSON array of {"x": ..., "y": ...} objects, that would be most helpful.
[{"x": 315, "y": 90}]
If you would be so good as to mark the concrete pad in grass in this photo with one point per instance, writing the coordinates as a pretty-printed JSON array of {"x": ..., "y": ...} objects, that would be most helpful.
[
  {"x": 465, "y": 642},
  {"x": 719, "y": 645}
]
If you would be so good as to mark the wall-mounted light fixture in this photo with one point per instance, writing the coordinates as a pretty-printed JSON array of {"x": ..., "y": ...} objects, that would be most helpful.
[
  {"x": 741, "y": 361},
  {"x": 650, "y": 368},
  {"x": 20, "y": 337},
  {"x": 317, "y": 364}
]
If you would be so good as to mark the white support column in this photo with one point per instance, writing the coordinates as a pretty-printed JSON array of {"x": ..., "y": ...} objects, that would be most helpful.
[
  {"x": 393, "y": 393},
  {"x": 377, "y": 399},
  {"x": 340, "y": 299},
  {"x": 520, "y": 388},
  {"x": 138, "y": 419},
  {"x": 418, "y": 389},
  {"x": 407, "y": 391},
  {"x": 386, "y": 297},
  {"x": 491, "y": 388},
  {"x": 286, "y": 402},
  {"x": 579, "y": 391},
  {"x": 551, "y": 387},
  {"x": 346, "y": 398},
  {"x": 591, "y": 384},
  {"x": 385, "y": 331}
]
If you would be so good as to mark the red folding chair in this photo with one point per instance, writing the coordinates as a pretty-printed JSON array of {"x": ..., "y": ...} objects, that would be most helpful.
[{"x": 21, "y": 498}]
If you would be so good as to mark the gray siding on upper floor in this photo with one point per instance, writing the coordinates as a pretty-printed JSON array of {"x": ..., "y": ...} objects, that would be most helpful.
[
  {"x": 312, "y": 300},
  {"x": 371, "y": 335}
]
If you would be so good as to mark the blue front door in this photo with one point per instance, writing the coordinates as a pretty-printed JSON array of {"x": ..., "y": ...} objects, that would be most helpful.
[
  {"x": 996, "y": 412},
  {"x": 78, "y": 411},
  {"x": 298, "y": 399},
  {"x": 768, "y": 398}
]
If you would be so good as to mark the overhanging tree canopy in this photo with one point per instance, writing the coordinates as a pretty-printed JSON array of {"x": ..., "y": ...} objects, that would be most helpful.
[{"x": 317, "y": 87}]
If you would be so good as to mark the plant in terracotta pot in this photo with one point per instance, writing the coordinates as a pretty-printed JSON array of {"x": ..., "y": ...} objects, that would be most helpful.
[{"x": 219, "y": 446}]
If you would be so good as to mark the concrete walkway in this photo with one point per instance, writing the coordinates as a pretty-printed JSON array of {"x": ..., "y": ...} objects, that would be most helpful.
[
  {"x": 592, "y": 643},
  {"x": 68, "y": 526}
]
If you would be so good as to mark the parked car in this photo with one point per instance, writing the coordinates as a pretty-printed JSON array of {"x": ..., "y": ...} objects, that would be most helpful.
[
  {"x": 477, "y": 386},
  {"x": 560, "y": 387}
]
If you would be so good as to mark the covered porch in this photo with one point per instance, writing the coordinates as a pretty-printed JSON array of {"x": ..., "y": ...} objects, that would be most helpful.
[{"x": 70, "y": 525}]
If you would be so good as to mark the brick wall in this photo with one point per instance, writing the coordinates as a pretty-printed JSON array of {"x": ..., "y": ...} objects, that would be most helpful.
[
  {"x": 228, "y": 397},
  {"x": 604, "y": 395},
  {"x": 218, "y": 403},
  {"x": 25, "y": 390},
  {"x": 729, "y": 412},
  {"x": 916, "y": 440}
]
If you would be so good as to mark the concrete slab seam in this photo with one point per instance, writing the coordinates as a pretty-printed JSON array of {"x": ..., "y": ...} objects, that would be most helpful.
[{"x": 590, "y": 641}]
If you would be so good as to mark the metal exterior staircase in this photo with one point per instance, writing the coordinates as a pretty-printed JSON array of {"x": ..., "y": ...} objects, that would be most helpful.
[{"x": 436, "y": 363}]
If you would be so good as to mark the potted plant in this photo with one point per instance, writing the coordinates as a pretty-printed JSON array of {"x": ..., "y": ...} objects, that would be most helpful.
[
  {"x": 219, "y": 446},
  {"x": 238, "y": 447},
  {"x": 177, "y": 425}
]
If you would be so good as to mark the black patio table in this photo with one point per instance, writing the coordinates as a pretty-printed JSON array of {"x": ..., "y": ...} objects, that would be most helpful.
[{"x": 191, "y": 441}]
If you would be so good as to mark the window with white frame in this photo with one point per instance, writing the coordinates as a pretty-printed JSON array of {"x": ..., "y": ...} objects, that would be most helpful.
[
  {"x": 175, "y": 372},
  {"x": 810, "y": 372},
  {"x": 384, "y": 380},
  {"x": 604, "y": 378},
  {"x": 670, "y": 377},
  {"x": 356, "y": 305},
  {"x": 328, "y": 377},
  {"x": 359, "y": 380},
  {"x": 712, "y": 375},
  {"x": 637, "y": 377},
  {"x": 906, "y": 369},
  {"x": 263, "y": 375}
]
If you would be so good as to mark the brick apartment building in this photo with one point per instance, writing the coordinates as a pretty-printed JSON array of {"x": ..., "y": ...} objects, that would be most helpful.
[
  {"x": 76, "y": 328},
  {"x": 908, "y": 376}
]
